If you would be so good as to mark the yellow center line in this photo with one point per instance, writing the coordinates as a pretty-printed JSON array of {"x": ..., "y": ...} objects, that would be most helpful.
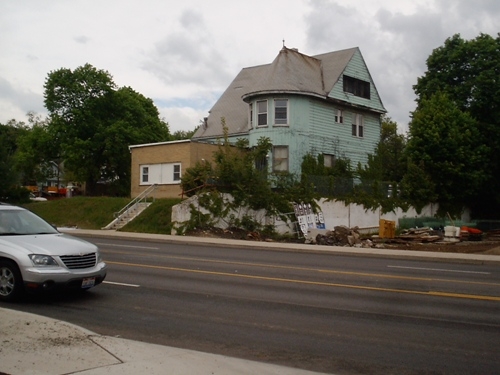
[
  {"x": 318, "y": 283},
  {"x": 335, "y": 272}
]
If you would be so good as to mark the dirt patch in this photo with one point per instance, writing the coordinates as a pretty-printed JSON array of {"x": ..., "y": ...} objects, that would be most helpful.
[
  {"x": 465, "y": 247},
  {"x": 488, "y": 245}
]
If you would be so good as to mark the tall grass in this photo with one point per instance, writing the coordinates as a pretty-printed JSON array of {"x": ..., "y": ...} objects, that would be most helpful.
[{"x": 97, "y": 212}]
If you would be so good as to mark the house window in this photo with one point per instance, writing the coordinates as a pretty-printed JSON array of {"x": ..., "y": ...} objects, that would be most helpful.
[
  {"x": 250, "y": 113},
  {"x": 161, "y": 173},
  {"x": 262, "y": 113},
  {"x": 177, "y": 172},
  {"x": 280, "y": 159},
  {"x": 328, "y": 160},
  {"x": 339, "y": 118},
  {"x": 357, "y": 125},
  {"x": 357, "y": 87},
  {"x": 281, "y": 111},
  {"x": 145, "y": 174}
]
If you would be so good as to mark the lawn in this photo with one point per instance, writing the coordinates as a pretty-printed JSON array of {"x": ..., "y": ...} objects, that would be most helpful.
[{"x": 97, "y": 212}]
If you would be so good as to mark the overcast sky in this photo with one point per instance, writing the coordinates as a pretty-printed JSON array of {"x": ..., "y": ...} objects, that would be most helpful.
[{"x": 183, "y": 54}]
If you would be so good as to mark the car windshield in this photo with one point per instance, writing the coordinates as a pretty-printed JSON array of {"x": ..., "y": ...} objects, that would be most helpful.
[{"x": 23, "y": 222}]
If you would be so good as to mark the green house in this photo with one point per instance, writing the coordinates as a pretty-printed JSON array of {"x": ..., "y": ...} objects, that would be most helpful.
[{"x": 324, "y": 104}]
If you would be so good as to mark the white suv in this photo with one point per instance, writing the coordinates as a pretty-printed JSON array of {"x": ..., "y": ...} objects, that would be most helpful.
[{"x": 35, "y": 256}]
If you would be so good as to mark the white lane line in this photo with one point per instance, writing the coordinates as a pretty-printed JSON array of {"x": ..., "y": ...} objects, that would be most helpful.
[
  {"x": 122, "y": 284},
  {"x": 439, "y": 269},
  {"x": 133, "y": 247}
]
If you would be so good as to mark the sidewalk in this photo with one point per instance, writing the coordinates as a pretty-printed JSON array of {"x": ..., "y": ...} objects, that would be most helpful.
[{"x": 36, "y": 345}]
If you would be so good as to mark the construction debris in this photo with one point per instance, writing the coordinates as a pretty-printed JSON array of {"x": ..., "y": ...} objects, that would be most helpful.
[
  {"x": 351, "y": 237},
  {"x": 421, "y": 235},
  {"x": 339, "y": 236}
]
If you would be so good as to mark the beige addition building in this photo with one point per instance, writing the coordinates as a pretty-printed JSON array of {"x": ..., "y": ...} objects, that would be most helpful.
[{"x": 163, "y": 164}]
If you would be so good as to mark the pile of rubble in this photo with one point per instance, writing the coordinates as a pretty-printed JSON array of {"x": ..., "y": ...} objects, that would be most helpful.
[
  {"x": 418, "y": 235},
  {"x": 345, "y": 236},
  {"x": 339, "y": 236}
]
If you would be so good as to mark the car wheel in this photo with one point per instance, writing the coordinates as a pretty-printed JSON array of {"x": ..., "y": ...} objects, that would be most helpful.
[{"x": 11, "y": 281}]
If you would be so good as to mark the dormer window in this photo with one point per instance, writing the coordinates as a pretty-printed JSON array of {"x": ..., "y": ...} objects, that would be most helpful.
[{"x": 357, "y": 87}]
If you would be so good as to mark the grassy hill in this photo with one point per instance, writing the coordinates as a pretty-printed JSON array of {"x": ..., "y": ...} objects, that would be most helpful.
[{"x": 97, "y": 212}]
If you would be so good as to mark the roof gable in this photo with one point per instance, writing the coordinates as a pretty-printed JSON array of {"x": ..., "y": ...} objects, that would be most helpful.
[
  {"x": 291, "y": 72},
  {"x": 356, "y": 68}
]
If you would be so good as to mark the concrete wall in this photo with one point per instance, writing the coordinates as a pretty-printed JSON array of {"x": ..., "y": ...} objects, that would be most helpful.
[{"x": 335, "y": 213}]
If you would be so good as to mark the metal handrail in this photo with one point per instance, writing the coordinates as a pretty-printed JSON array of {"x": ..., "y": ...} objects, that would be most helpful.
[{"x": 136, "y": 200}]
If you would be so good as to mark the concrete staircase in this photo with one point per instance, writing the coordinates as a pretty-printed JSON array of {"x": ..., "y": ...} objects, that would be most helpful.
[
  {"x": 127, "y": 216},
  {"x": 133, "y": 209}
]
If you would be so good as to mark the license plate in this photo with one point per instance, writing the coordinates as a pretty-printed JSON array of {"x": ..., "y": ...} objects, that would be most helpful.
[{"x": 88, "y": 282}]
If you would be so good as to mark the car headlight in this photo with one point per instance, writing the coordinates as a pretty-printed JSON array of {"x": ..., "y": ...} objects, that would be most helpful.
[{"x": 42, "y": 260}]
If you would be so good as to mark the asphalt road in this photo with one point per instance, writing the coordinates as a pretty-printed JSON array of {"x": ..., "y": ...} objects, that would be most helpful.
[{"x": 321, "y": 312}]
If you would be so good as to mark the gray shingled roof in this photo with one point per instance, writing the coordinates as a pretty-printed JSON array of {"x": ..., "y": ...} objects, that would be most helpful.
[{"x": 290, "y": 72}]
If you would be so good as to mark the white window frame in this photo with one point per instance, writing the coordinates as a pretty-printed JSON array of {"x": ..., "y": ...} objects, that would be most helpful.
[
  {"x": 177, "y": 172},
  {"x": 282, "y": 122},
  {"x": 160, "y": 173},
  {"x": 358, "y": 125},
  {"x": 144, "y": 174},
  {"x": 281, "y": 157},
  {"x": 250, "y": 114},
  {"x": 339, "y": 118},
  {"x": 263, "y": 113}
]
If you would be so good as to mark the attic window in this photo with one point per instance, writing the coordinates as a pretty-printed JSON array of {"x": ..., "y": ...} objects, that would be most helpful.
[{"x": 357, "y": 87}]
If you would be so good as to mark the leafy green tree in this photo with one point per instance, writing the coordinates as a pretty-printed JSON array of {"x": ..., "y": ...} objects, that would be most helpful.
[
  {"x": 183, "y": 134},
  {"x": 467, "y": 72},
  {"x": 388, "y": 163},
  {"x": 417, "y": 186},
  {"x": 443, "y": 144},
  {"x": 93, "y": 123},
  {"x": 380, "y": 178},
  {"x": 35, "y": 151},
  {"x": 335, "y": 181},
  {"x": 9, "y": 176}
]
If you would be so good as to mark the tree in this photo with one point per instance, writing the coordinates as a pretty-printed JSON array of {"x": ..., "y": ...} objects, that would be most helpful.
[
  {"x": 35, "y": 150},
  {"x": 183, "y": 134},
  {"x": 388, "y": 163},
  {"x": 443, "y": 144},
  {"x": 467, "y": 72},
  {"x": 9, "y": 176},
  {"x": 380, "y": 178},
  {"x": 93, "y": 123}
]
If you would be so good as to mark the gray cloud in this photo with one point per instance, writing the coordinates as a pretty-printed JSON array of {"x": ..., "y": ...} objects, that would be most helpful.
[
  {"x": 82, "y": 39},
  {"x": 396, "y": 45},
  {"x": 189, "y": 56},
  {"x": 20, "y": 101}
]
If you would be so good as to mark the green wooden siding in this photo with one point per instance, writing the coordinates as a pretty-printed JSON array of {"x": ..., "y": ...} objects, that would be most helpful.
[
  {"x": 313, "y": 130},
  {"x": 330, "y": 137},
  {"x": 357, "y": 69}
]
